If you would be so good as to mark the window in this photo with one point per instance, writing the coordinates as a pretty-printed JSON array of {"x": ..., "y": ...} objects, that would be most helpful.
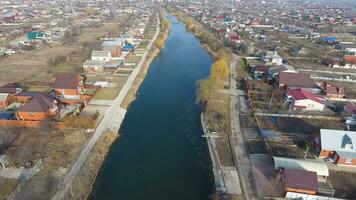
[{"x": 346, "y": 142}]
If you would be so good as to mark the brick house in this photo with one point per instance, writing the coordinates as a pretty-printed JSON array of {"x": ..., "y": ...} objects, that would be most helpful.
[
  {"x": 41, "y": 107},
  {"x": 68, "y": 86},
  {"x": 337, "y": 145}
]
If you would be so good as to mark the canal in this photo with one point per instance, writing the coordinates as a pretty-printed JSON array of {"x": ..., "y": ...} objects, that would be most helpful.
[{"x": 160, "y": 154}]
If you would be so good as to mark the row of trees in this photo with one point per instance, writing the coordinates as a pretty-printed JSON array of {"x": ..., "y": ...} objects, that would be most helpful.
[
  {"x": 219, "y": 72},
  {"x": 220, "y": 69},
  {"x": 165, "y": 29}
]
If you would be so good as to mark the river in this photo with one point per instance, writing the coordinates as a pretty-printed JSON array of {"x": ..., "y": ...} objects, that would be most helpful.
[{"x": 160, "y": 154}]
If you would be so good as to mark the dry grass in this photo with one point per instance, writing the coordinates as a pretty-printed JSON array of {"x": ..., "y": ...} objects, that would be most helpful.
[
  {"x": 57, "y": 148},
  {"x": 34, "y": 66}
]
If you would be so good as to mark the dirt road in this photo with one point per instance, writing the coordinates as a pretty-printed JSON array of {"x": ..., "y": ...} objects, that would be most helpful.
[{"x": 242, "y": 159}]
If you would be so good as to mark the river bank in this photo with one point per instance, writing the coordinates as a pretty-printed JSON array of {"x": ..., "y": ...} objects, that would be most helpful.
[
  {"x": 84, "y": 181},
  {"x": 161, "y": 122},
  {"x": 131, "y": 96},
  {"x": 215, "y": 119}
]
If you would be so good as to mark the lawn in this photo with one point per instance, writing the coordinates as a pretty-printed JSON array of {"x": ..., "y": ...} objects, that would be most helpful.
[
  {"x": 107, "y": 93},
  {"x": 66, "y": 67}
]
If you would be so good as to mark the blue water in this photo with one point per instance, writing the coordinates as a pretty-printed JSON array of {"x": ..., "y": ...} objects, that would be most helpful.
[{"x": 160, "y": 153}]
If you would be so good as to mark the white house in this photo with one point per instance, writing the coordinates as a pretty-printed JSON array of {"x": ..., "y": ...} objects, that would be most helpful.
[
  {"x": 273, "y": 57},
  {"x": 274, "y": 71},
  {"x": 101, "y": 55},
  {"x": 303, "y": 100}
]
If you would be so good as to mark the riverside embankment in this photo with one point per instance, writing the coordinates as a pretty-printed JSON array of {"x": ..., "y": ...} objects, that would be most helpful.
[
  {"x": 76, "y": 183},
  {"x": 160, "y": 153}
]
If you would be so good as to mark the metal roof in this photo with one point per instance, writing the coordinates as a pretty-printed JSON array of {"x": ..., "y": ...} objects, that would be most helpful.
[
  {"x": 338, "y": 140},
  {"x": 309, "y": 165}
]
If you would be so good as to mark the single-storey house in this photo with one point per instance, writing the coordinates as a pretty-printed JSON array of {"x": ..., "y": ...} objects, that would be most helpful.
[
  {"x": 273, "y": 57},
  {"x": 300, "y": 181},
  {"x": 303, "y": 100},
  {"x": 34, "y": 35},
  {"x": 41, "y": 107},
  {"x": 68, "y": 86},
  {"x": 101, "y": 55},
  {"x": 259, "y": 71},
  {"x": 274, "y": 71},
  {"x": 298, "y": 81},
  {"x": 93, "y": 66},
  {"x": 337, "y": 145}
]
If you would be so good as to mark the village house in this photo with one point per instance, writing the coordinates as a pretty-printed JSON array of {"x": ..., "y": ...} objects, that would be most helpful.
[
  {"x": 302, "y": 100},
  {"x": 350, "y": 110},
  {"x": 274, "y": 71},
  {"x": 6, "y": 99},
  {"x": 335, "y": 92},
  {"x": 347, "y": 62},
  {"x": 272, "y": 57},
  {"x": 41, "y": 107},
  {"x": 101, "y": 55},
  {"x": 301, "y": 176},
  {"x": 300, "y": 181},
  {"x": 93, "y": 66},
  {"x": 259, "y": 71},
  {"x": 298, "y": 81},
  {"x": 68, "y": 86},
  {"x": 11, "y": 88},
  {"x": 337, "y": 145}
]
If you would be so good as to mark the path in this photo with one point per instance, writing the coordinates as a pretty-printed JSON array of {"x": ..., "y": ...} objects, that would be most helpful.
[
  {"x": 242, "y": 159},
  {"x": 112, "y": 120}
]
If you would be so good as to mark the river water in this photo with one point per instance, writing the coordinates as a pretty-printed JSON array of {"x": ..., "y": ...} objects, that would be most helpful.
[{"x": 160, "y": 154}]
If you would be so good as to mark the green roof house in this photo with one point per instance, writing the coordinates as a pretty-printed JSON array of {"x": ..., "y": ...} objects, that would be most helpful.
[{"x": 35, "y": 35}]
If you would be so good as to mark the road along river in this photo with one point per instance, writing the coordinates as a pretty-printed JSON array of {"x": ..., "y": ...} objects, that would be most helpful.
[{"x": 160, "y": 154}]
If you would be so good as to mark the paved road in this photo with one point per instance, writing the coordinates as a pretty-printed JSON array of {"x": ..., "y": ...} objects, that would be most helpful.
[
  {"x": 242, "y": 159},
  {"x": 112, "y": 120}
]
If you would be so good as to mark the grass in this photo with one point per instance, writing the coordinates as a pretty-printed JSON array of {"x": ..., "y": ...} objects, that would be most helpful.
[
  {"x": 66, "y": 67},
  {"x": 38, "y": 88},
  {"x": 242, "y": 69},
  {"x": 143, "y": 45},
  {"x": 6, "y": 187},
  {"x": 133, "y": 59},
  {"x": 89, "y": 91},
  {"x": 107, "y": 94}
]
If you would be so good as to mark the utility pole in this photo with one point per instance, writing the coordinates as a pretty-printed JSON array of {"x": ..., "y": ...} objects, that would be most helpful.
[{"x": 270, "y": 102}]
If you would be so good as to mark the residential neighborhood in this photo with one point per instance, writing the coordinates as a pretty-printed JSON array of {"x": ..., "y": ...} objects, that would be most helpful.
[{"x": 177, "y": 99}]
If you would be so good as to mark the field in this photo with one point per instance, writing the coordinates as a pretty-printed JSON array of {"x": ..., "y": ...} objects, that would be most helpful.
[
  {"x": 57, "y": 149},
  {"x": 36, "y": 65}
]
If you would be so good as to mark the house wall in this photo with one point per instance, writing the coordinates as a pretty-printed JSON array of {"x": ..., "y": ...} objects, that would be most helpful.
[
  {"x": 33, "y": 116},
  {"x": 297, "y": 190},
  {"x": 309, "y": 105},
  {"x": 69, "y": 92},
  {"x": 10, "y": 99},
  {"x": 326, "y": 154},
  {"x": 346, "y": 162}
]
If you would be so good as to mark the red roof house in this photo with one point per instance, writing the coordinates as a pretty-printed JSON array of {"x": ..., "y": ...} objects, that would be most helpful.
[
  {"x": 350, "y": 59},
  {"x": 306, "y": 101}
]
